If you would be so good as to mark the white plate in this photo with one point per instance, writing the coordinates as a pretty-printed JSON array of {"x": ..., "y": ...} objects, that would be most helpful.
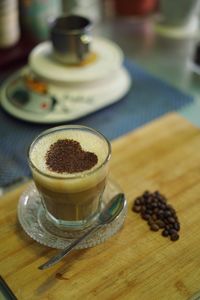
[
  {"x": 109, "y": 58},
  {"x": 72, "y": 100}
]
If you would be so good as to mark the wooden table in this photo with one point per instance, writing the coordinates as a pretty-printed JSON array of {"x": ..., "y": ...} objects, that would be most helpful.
[{"x": 136, "y": 263}]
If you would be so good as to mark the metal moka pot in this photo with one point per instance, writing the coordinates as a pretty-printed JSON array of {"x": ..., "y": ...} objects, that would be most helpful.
[{"x": 71, "y": 38}]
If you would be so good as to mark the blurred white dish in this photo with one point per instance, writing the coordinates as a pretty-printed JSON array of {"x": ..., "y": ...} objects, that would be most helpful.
[
  {"x": 49, "y": 92},
  {"x": 72, "y": 102},
  {"x": 109, "y": 58}
]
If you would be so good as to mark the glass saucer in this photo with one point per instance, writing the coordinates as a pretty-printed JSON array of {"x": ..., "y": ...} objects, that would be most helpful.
[{"x": 33, "y": 220}]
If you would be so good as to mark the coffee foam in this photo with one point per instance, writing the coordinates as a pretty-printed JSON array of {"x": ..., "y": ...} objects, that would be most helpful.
[{"x": 88, "y": 141}]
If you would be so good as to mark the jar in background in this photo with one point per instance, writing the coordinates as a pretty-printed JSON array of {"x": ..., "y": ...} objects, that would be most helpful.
[
  {"x": 9, "y": 23},
  {"x": 36, "y": 16}
]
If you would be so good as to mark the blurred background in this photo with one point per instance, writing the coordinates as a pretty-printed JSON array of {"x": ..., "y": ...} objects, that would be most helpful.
[
  {"x": 160, "y": 35},
  {"x": 160, "y": 40}
]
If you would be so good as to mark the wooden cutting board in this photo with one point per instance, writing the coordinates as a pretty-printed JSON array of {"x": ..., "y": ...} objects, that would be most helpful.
[{"x": 136, "y": 263}]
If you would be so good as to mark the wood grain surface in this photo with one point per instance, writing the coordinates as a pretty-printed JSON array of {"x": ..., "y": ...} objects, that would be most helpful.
[{"x": 136, "y": 263}]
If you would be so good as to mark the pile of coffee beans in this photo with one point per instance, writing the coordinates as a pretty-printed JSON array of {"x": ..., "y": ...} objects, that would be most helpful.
[{"x": 153, "y": 208}]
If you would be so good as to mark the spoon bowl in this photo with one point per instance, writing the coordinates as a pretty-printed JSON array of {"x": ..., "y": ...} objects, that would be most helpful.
[{"x": 112, "y": 209}]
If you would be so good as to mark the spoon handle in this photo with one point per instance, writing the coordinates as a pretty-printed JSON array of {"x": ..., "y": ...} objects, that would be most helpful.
[{"x": 52, "y": 261}]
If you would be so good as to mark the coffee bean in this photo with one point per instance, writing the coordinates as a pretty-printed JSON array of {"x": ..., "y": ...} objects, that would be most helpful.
[
  {"x": 165, "y": 233},
  {"x": 167, "y": 213},
  {"x": 167, "y": 227},
  {"x": 149, "y": 211},
  {"x": 145, "y": 216},
  {"x": 156, "y": 210},
  {"x": 177, "y": 226},
  {"x": 141, "y": 200},
  {"x": 160, "y": 213},
  {"x": 172, "y": 231},
  {"x": 150, "y": 221},
  {"x": 169, "y": 206},
  {"x": 137, "y": 208},
  {"x": 153, "y": 208},
  {"x": 146, "y": 194},
  {"x": 163, "y": 206},
  {"x": 174, "y": 237},
  {"x": 156, "y": 193},
  {"x": 148, "y": 201},
  {"x": 164, "y": 199},
  {"x": 154, "y": 217},
  {"x": 171, "y": 220},
  {"x": 160, "y": 223},
  {"x": 154, "y": 205},
  {"x": 154, "y": 227},
  {"x": 160, "y": 197},
  {"x": 137, "y": 201}
]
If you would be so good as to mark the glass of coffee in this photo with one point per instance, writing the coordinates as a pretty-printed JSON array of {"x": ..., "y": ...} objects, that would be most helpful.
[{"x": 70, "y": 165}]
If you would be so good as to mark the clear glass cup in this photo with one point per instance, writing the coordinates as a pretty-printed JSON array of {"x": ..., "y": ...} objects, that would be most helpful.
[{"x": 71, "y": 200}]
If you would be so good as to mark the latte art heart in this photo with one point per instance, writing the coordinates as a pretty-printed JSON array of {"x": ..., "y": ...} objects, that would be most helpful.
[{"x": 67, "y": 155}]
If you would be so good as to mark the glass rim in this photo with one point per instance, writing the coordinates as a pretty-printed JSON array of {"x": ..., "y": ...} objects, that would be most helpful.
[{"x": 60, "y": 128}]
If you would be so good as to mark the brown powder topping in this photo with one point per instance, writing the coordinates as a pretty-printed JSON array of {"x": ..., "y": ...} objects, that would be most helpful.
[{"x": 68, "y": 156}]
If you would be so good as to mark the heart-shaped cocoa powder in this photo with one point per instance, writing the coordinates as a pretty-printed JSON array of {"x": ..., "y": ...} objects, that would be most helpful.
[{"x": 68, "y": 156}]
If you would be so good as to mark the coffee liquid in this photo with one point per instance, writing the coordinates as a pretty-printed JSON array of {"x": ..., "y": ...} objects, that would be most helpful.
[{"x": 72, "y": 206}]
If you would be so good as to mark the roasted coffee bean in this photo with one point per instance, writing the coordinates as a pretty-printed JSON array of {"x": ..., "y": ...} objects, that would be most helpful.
[
  {"x": 141, "y": 200},
  {"x": 137, "y": 201},
  {"x": 174, "y": 237},
  {"x": 149, "y": 211},
  {"x": 167, "y": 227},
  {"x": 160, "y": 223},
  {"x": 171, "y": 208},
  {"x": 164, "y": 201},
  {"x": 165, "y": 233},
  {"x": 159, "y": 197},
  {"x": 153, "y": 208},
  {"x": 167, "y": 213},
  {"x": 150, "y": 221},
  {"x": 154, "y": 217},
  {"x": 146, "y": 194},
  {"x": 143, "y": 209},
  {"x": 172, "y": 231},
  {"x": 154, "y": 205},
  {"x": 148, "y": 200},
  {"x": 145, "y": 216},
  {"x": 137, "y": 208},
  {"x": 160, "y": 212},
  {"x": 175, "y": 218},
  {"x": 148, "y": 206},
  {"x": 156, "y": 193},
  {"x": 171, "y": 220},
  {"x": 166, "y": 221},
  {"x": 171, "y": 226},
  {"x": 163, "y": 206},
  {"x": 177, "y": 226},
  {"x": 154, "y": 227}
]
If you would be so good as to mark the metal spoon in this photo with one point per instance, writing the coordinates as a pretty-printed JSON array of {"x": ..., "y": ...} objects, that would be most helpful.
[{"x": 109, "y": 213}]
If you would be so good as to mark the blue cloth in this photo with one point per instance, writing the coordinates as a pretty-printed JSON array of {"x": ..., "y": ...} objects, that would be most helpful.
[{"x": 148, "y": 98}]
